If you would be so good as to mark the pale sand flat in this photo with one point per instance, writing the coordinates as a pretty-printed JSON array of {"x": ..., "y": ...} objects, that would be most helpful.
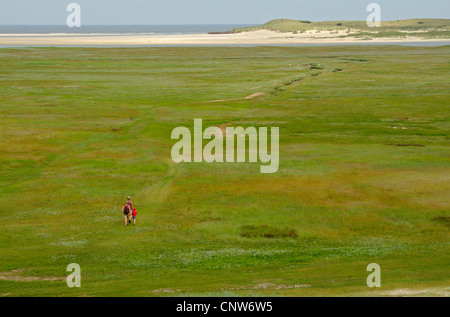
[{"x": 263, "y": 37}]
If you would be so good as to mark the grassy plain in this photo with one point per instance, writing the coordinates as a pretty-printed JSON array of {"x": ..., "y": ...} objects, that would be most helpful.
[{"x": 363, "y": 178}]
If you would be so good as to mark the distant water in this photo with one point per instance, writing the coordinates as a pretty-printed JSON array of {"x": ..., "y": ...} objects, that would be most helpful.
[{"x": 119, "y": 29}]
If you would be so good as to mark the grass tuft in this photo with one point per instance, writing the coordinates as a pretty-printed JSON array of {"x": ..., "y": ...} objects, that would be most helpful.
[
  {"x": 445, "y": 220},
  {"x": 265, "y": 231}
]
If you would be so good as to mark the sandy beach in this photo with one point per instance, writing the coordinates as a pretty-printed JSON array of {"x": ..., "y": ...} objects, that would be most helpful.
[{"x": 262, "y": 37}]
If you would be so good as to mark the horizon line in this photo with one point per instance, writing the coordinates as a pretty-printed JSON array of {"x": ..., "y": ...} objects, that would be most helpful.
[{"x": 182, "y": 24}]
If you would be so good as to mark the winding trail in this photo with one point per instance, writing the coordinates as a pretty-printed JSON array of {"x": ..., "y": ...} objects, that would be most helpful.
[
  {"x": 254, "y": 95},
  {"x": 158, "y": 192}
]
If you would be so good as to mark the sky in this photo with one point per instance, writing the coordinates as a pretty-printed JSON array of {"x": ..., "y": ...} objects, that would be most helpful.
[{"x": 150, "y": 12}]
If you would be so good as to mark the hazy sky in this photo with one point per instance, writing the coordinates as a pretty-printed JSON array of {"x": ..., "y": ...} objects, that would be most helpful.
[{"x": 48, "y": 12}]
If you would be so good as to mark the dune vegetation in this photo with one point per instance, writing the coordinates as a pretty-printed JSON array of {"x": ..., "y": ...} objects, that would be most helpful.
[
  {"x": 363, "y": 176},
  {"x": 424, "y": 28}
]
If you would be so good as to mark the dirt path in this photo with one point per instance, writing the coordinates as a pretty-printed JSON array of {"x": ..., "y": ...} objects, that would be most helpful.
[
  {"x": 158, "y": 193},
  {"x": 438, "y": 291},
  {"x": 16, "y": 276},
  {"x": 256, "y": 94}
]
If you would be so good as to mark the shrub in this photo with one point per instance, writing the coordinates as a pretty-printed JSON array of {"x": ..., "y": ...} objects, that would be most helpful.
[
  {"x": 445, "y": 220},
  {"x": 265, "y": 231}
]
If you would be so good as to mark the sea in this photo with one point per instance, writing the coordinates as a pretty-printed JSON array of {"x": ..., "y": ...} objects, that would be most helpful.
[{"x": 119, "y": 29}]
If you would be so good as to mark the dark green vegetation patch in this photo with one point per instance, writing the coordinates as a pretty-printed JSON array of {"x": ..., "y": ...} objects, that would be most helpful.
[{"x": 266, "y": 231}]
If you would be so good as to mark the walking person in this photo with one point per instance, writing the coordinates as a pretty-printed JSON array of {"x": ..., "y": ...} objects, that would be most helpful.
[
  {"x": 126, "y": 214},
  {"x": 134, "y": 214},
  {"x": 129, "y": 203}
]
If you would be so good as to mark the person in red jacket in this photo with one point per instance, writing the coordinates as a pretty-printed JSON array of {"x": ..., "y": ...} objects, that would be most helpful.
[{"x": 134, "y": 214}]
